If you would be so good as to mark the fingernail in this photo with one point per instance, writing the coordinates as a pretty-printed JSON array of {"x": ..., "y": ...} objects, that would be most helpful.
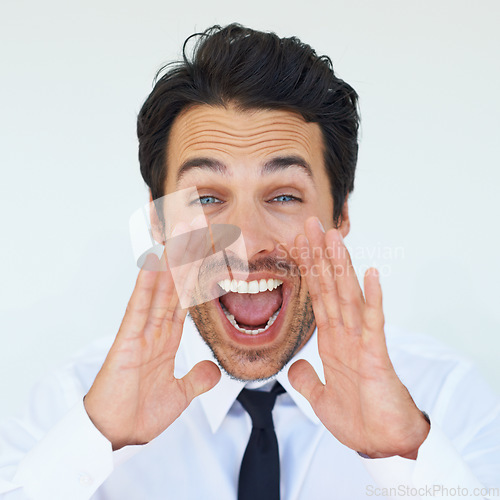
[
  {"x": 151, "y": 262},
  {"x": 320, "y": 225}
]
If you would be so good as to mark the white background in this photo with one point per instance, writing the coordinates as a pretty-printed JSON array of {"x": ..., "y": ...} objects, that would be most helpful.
[{"x": 73, "y": 76}]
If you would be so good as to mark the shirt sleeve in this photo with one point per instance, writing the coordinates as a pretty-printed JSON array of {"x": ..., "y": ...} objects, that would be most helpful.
[
  {"x": 461, "y": 454},
  {"x": 71, "y": 461},
  {"x": 54, "y": 451}
]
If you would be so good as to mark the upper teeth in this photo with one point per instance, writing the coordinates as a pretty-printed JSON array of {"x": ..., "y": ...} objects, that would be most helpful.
[{"x": 255, "y": 286}]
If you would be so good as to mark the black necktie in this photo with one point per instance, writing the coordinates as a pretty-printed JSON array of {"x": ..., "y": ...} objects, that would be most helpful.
[{"x": 260, "y": 467}]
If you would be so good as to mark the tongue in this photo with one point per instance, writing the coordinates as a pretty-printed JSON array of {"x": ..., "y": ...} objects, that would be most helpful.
[{"x": 252, "y": 309}]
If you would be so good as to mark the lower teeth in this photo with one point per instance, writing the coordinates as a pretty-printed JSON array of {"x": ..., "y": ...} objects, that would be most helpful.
[{"x": 231, "y": 319}]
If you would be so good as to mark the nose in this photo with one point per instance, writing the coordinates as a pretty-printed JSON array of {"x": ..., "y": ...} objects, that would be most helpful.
[{"x": 258, "y": 236}]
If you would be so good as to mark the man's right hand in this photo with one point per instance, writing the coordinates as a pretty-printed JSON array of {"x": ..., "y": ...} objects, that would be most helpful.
[{"x": 135, "y": 395}]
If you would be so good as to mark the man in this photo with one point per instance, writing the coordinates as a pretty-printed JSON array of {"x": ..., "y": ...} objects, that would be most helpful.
[{"x": 266, "y": 135}]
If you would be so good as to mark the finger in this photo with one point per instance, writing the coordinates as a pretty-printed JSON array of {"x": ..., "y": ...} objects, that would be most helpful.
[
  {"x": 350, "y": 295},
  {"x": 173, "y": 325},
  {"x": 325, "y": 275},
  {"x": 305, "y": 380},
  {"x": 185, "y": 258},
  {"x": 138, "y": 307},
  {"x": 186, "y": 279},
  {"x": 188, "y": 287},
  {"x": 161, "y": 298},
  {"x": 373, "y": 317},
  {"x": 164, "y": 305},
  {"x": 191, "y": 292},
  {"x": 201, "y": 378}
]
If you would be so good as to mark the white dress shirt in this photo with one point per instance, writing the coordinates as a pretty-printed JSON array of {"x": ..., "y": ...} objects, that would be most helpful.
[{"x": 55, "y": 453}]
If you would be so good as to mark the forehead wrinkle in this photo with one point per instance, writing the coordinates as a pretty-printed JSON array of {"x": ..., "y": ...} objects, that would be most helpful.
[
  {"x": 203, "y": 144},
  {"x": 251, "y": 134},
  {"x": 240, "y": 128},
  {"x": 215, "y": 142},
  {"x": 260, "y": 134},
  {"x": 213, "y": 115}
]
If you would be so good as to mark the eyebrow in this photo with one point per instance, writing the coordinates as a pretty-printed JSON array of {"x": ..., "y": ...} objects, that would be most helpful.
[
  {"x": 277, "y": 164},
  {"x": 201, "y": 163},
  {"x": 284, "y": 162}
]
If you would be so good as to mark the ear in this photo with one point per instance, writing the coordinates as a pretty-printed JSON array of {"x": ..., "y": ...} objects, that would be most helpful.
[
  {"x": 345, "y": 225},
  {"x": 157, "y": 229}
]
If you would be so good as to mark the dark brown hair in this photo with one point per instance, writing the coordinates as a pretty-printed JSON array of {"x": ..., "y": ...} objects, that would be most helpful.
[{"x": 253, "y": 70}]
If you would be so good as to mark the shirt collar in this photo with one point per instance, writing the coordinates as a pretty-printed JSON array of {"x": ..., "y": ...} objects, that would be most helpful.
[{"x": 217, "y": 402}]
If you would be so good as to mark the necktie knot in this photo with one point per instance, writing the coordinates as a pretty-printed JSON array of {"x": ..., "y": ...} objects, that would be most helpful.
[{"x": 259, "y": 405}]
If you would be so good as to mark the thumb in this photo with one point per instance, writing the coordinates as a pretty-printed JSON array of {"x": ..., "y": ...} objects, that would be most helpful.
[
  {"x": 201, "y": 378},
  {"x": 305, "y": 380}
]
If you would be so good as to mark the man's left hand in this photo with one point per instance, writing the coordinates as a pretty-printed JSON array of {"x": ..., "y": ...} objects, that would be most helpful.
[{"x": 362, "y": 402}]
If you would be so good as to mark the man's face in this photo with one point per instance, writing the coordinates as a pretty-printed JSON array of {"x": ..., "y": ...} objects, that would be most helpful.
[{"x": 262, "y": 171}]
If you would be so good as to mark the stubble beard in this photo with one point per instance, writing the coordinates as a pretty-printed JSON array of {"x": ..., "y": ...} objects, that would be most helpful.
[{"x": 241, "y": 364}]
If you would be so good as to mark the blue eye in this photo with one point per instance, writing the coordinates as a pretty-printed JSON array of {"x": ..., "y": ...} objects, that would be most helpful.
[
  {"x": 208, "y": 200},
  {"x": 284, "y": 198}
]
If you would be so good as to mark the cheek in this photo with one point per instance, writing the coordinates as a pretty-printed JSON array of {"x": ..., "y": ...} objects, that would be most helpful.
[
  {"x": 293, "y": 225},
  {"x": 287, "y": 231}
]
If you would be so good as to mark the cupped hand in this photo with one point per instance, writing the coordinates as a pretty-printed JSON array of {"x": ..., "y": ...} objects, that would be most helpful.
[
  {"x": 135, "y": 395},
  {"x": 362, "y": 403}
]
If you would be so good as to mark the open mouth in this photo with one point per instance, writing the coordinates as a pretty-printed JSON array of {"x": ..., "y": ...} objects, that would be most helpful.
[
  {"x": 245, "y": 328},
  {"x": 252, "y": 308}
]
